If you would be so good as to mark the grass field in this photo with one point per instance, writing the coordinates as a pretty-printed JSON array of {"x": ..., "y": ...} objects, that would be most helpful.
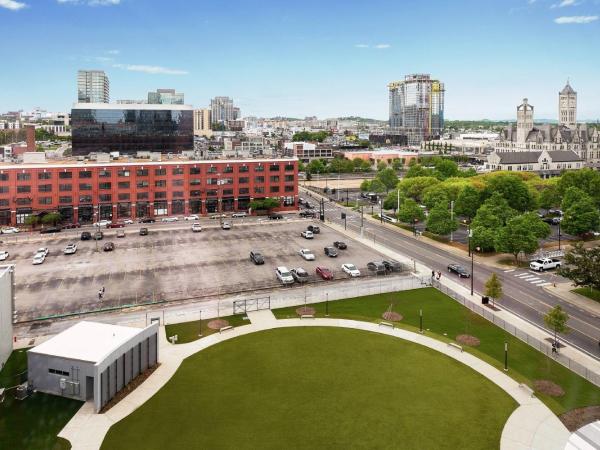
[
  {"x": 318, "y": 388},
  {"x": 31, "y": 424},
  {"x": 188, "y": 331},
  {"x": 591, "y": 293},
  {"x": 444, "y": 319}
]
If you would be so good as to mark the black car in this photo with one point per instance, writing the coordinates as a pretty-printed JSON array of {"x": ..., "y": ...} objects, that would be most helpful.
[
  {"x": 341, "y": 245},
  {"x": 275, "y": 216},
  {"x": 458, "y": 270},
  {"x": 551, "y": 220},
  {"x": 98, "y": 235},
  {"x": 308, "y": 213},
  {"x": 256, "y": 258},
  {"x": 51, "y": 230},
  {"x": 109, "y": 247},
  {"x": 86, "y": 236},
  {"x": 314, "y": 228},
  {"x": 376, "y": 267},
  {"x": 147, "y": 220},
  {"x": 331, "y": 252},
  {"x": 392, "y": 266},
  {"x": 143, "y": 231}
]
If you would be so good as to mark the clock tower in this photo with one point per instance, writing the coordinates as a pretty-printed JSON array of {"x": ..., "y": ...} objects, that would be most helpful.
[{"x": 567, "y": 107}]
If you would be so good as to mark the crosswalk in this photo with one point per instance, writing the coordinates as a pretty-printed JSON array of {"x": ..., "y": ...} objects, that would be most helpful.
[{"x": 530, "y": 277}]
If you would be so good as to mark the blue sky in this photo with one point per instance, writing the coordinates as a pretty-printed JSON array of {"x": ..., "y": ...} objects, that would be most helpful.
[{"x": 324, "y": 58}]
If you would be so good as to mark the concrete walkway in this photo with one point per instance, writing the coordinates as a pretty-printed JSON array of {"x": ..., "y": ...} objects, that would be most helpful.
[{"x": 531, "y": 426}]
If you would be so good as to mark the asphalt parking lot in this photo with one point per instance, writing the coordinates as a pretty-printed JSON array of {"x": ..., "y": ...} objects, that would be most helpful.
[{"x": 168, "y": 264}]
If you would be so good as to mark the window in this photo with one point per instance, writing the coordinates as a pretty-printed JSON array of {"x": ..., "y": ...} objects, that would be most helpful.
[
  {"x": 244, "y": 180},
  {"x": 228, "y": 169},
  {"x": 289, "y": 178},
  {"x": 85, "y": 199},
  {"x": 142, "y": 172},
  {"x": 227, "y": 181},
  {"x": 160, "y": 183},
  {"x": 23, "y": 176},
  {"x": 3, "y": 177},
  {"x": 274, "y": 168},
  {"x": 195, "y": 193},
  {"x": 105, "y": 197},
  {"x": 160, "y": 195},
  {"x": 289, "y": 189},
  {"x": 160, "y": 172},
  {"x": 65, "y": 175},
  {"x": 142, "y": 184},
  {"x": 259, "y": 190},
  {"x": 45, "y": 200},
  {"x": 124, "y": 196},
  {"x": 22, "y": 189},
  {"x": 289, "y": 167},
  {"x": 194, "y": 170},
  {"x": 274, "y": 179},
  {"x": 212, "y": 193},
  {"x": 58, "y": 372},
  {"x": 244, "y": 191},
  {"x": 44, "y": 175},
  {"x": 3, "y": 189},
  {"x": 85, "y": 187},
  {"x": 65, "y": 200},
  {"x": 45, "y": 188},
  {"x": 259, "y": 168},
  {"x": 227, "y": 192},
  {"x": 274, "y": 188},
  {"x": 124, "y": 184},
  {"x": 194, "y": 182},
  {"x": 64, "y": 187},
  {"x": 212, "y": 181},
  {"x": 212, "y": 169},
  {"x": 104, "y": 174},
  {"x": 123, "y": 173},
  {"x": 177, "y": 194},
  {"x": 85, "y": 174},
  {"x": 177, "y": 182},
  {"x": 243, "y": 169},
  {"x": 178, "y": 171},
  {"x": 3, "y": 202},
  {"x": 259, "y": 179},
  {"x": 23, "y": 201},
  {"x": 142, "y": 196}
]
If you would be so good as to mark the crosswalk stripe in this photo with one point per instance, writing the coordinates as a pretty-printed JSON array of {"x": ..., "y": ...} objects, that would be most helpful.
[
  {"x": 544, "y": 284},
  {"x": 537, "y": 282},
  {"x": 521, "y": 275},
  {"x": 528, "y": 277},
  {"x": 509, "y": 270}
]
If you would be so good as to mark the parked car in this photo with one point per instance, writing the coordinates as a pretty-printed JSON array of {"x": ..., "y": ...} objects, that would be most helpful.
[
  {"x": 458, "y": 270},
  {"x": 376, "y": 267},
  {"x": 3, "y": 255},
  {"x": 70, "y": 226},
  {"x": 98, "y": 235},
  {"x": 308, "y": 213},
  {"x": 307, "y": 234},
  {"x": 116, "y": 225},
  {"x": 70, "y": 249},
  {"x": 103, "y": 223},
  {"x": 196, "y": 227},
  {"x": 301, "y": 201},
  {"x": 218, "y": 216},
  {"x": 351, "y": 270},
  {"x": 169, "y": 219},
  {"x": 256, "y": 257},
  {"x": 275, "y": 216},
  {"x": 143, "y": 231},
  {"x": 299, "y": 274},
  {"x": 392, "y": 266},
  {"x": 147, "y": 220},
  {"x": 284, "y": 275},
  {"x": 307, "y": 254},
  {"x": 128, "y": 222},
  {"x": 86, "y": 235},
  {"x": 239, "y": 214},
  {"x": 226, "y": 226},
  {"x": 51, "y": 230},
  {"x": 341, "y": 245},
  {"x": 331, "y": 252},
  {"x": 314, "y": 228},
  {"x": 552, "y": 220},
  {"x": 38, "y": 258},
  {"x": 555, "y": 212},
  {"x": 42, "y": 251},
  {"x": 108, "y": 247},
  {"x": 192, "y": 217},
  {"x": 324, "y": 273},
  {"x": 121, "y": 233},
  {"x": 545, "y": 264},
  {"x": 10, "y": 230}
]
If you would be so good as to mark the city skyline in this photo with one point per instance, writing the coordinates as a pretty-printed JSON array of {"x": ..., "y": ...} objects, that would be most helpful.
[{"x": 270, "y": 66}]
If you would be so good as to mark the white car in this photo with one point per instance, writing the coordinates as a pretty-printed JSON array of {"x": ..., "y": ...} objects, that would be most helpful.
[
  {"x": 3, "y": 255},
  {"x": 307, "y": 234},
  {"x": 307, "y": 254},
  {"x": 169, "y": 219},
  {"x": 103, "y": 223},
  {"x": 284, "y": 275},
  {"x": 128, "y": 222},
  {"x": 70, "y": 249},
  {"x": 39, "y": 258},
  {"x": 42, "y": 251},
  {"x": 218, "y": 216},
  {"x": 351, "y": 270},
  {"x": 239, "y": 214},
  {"x": 10, "y": 230},
  {"x": 192, "y": 217},
  {"x": 196, "y": 227},
  {"x": 226, "y": 226}
]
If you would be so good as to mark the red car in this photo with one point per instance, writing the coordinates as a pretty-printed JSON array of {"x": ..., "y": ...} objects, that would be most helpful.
[
  {"x": 324, "y": 273},
  {"x": 116, "y": 225}
]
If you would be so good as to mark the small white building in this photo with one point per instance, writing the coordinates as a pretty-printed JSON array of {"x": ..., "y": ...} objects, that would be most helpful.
[
  {"x": 7, "y": 307},
  {"x": 92, "y": 361}
]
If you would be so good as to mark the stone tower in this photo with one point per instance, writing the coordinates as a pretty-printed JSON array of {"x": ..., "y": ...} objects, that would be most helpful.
[
  {"x": 567, "y": 107},
  {"x": 524, "y": 120}
]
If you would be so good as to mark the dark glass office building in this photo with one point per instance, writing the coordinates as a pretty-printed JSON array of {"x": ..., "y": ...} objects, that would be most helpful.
[{"x": 128, "y": 129}]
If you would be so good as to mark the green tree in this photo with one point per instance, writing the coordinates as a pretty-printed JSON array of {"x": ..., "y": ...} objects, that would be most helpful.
[
  {"x": 483, "y": 238},
  {"x": 521, "y": 234},
  {"x": 513, "y": 189},
  {"x": 388, "y": 177},
  {"x": 436, "y": 194},
  {"x": 440, "y": 221},
  {"x": 494, "y": 213},
  {"x": 266, "y": 203},
  {"x": 397, "y": 164},
  {"x": 493, "y": 288},
  {"x": 381, "y": 165},
  {"x": 549, "y": 197},
  {"x": 316, "y": 166},
  {"x": 556, "y": 320},
  {"x": 468, "y": 202},
  {"x": 414, "y": 187},
  {"x": 588, "y": 180},
  {"x": 391, "y": 200},
  {"x": 571, "y": 196},
  {"x": 32, "y": 221},
  {"x": 365, "y": 186},
  {"x": 582, "y": 266},
  {"x": 51, "y": 218},
  {"x": 446, "y": 168},
  {"x": 581, "y": 217},
  {"x": 377, "y": 186},
  {"x": 417, "y": 170},
  {"x": 409, "y": 211}
]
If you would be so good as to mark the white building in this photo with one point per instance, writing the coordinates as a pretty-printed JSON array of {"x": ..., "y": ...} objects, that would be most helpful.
[
  {"x": 92, "y": 361},
  {"x": 7, "y": 307},
  {"x": 545, "y": 163}
]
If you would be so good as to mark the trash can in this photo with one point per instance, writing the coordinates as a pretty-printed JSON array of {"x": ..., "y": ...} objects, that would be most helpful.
[{"x": 485, "y": 300}]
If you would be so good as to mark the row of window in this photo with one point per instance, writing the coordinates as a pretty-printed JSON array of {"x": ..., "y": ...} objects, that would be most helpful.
[
  {"x": 58, "y": 372},
  {"x": 145, "y": 172}
]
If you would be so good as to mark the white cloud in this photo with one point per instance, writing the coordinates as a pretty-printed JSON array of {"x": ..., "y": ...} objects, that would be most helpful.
[
  {"x": 150, "y": 69},
  {"x": 361, "y": 46},
  {"x": 575, "y": 19},
  {"x": 383, "y": 46},
  {"x": 113, "y": 52},
  {"x": 565, "y": 3},
  {"x": 12, "y": 5},
  {"x": 379, "y": 46},
  {"x": 91, "y": 2}
]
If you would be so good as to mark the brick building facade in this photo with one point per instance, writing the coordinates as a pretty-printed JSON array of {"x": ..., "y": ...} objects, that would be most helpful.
[{"x": 87, "y": 192}]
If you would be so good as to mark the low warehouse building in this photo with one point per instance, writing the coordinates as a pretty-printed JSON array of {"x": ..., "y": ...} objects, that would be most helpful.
[{"x": 92, "y": 361}]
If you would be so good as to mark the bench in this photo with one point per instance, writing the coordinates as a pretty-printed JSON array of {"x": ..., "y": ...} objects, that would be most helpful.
[
  {"x": 452, "y": 344},
  {"x": 526, "y": 389},
  {"x": 228, "y": 327},
  {"x": 307, "y": 316},
  {"x": 386, "y": 324}
]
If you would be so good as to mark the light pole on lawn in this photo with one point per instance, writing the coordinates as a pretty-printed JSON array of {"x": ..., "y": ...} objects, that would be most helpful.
[
  {"x": 506, "y": 356},
  {"x": 559, "y": 233},
  {"x": 200, "y": 325}
]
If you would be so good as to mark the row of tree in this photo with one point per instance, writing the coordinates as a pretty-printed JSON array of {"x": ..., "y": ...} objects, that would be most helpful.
[{"x": 310, "y": 136}]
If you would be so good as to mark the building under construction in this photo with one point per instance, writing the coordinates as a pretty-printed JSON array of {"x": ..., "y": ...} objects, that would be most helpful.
[{"x": 417, "y": 108}]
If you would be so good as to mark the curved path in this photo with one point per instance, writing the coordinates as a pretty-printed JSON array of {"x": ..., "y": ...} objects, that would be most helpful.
[{"x": 531, "y": 426}]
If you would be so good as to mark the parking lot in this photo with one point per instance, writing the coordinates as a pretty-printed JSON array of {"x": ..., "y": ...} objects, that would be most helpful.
[{"x": 169, "y": 264}]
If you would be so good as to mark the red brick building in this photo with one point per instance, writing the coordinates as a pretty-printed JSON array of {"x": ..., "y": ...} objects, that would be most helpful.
[{"x": 87, "y": 192}]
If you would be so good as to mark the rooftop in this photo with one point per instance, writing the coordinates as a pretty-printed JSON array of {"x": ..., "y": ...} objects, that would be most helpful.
[
  {"x": 87, "y": 341},
  {"x": 140, "y": 106}
]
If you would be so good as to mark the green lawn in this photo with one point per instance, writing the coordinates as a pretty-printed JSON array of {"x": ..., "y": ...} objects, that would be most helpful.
[
  {"x": 312, "y": 388},
  {"x": 591, "y": 293},
  {"x": 188, "y": 331},
  {"x": 31, "y": 424},
  {"x": 445, "y": 319}
]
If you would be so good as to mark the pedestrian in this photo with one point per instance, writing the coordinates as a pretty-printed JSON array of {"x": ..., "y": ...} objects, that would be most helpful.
[
  {"x": 439, "y": 275},
  {"x": 103, "y": 290},
  {"x": 100, "y": 294},
  {"x": 432, "y": 274}
]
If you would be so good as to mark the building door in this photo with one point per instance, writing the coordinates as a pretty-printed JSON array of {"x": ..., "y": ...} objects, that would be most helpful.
[{"x": 89, "y": 388}]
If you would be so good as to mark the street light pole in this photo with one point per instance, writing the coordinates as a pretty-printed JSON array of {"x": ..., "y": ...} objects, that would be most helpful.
[
  {"x": 472, "y": 260},
  {"x": 200, "y": 325},
  {"x": 469, "y": 242},
  {"x": 420, "y": 321},
  {"x": 451, "y": 219},
  {"x": 559, "y": 235},
  {"x": 506, "y": 356}
]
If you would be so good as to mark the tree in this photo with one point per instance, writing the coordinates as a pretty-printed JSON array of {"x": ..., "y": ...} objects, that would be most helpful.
[
  {"x": 365, "y": 186},
  {"x": 513, "y": 189},
  {"x": 483, "y": 238},
  {"x": 397, "y": 164},
  {"x": 582, "y": 266},
  {"x": 468, "y": 202},
  {"x": 388, "y": 177},
  {"x": 571, "y": 196},
  {"x": 409, "y": 211},
  {"x": 550, "y": 197},
  {"x": 494, "y": 213},
  {"x": 588, "y": 180},
  {"x": 32, "y": 221},
  {"x": 581, "y": 217},
  {"x": 391, "y": 200},
  {"x": 51, "y": 218},
  {"x": 377, "y": 186},
  {"x": 440, "y": 221},
  {"x": 445, "y": 168},
  {"x": 493, "y": 288},
  {"x": 436, "y": 194},
  {"x": 381, "y": 165},
  {"x": 414, "y": 187},
  {"x": 521, "y": 234},
  {"x": 265, "y": 203},
  {"x": 556, "y": 320},
  {"x": 417, "y": 170},
  {"x": 316, "y": 166}
]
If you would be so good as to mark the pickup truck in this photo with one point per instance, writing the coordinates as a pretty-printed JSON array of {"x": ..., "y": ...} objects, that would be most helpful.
[{"x": 544, "y": 264}]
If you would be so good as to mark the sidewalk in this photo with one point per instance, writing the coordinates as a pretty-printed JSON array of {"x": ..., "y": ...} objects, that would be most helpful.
[
  {"x": 531, "y": 426},
  {"x": 563, "y": 290}
]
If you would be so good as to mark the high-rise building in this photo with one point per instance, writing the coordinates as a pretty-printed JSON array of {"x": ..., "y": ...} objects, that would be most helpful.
[
  {"x": 567, "y": 107},
  {"x": 202, "y": 122},
  {"x": 417, "y": 107},
  {"x": 92, "y": 86},
  {"x": 165, "y": 97},
  {"x": 222, "y": 110}
]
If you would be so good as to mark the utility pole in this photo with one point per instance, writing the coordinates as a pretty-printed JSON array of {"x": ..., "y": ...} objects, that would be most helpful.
[
  {"x": 559, "y": 234},
  {"x": 398, "y": 208},
  {"x": 451, "y": 219}
]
